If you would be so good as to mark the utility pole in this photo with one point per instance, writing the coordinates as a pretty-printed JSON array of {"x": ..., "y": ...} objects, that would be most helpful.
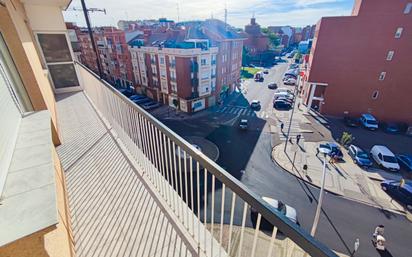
[
  {"x": 325, "y": 152},
  {"x": 89, "y": 28}
]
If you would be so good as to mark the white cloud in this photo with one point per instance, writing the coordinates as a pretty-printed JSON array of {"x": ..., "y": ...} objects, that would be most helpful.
[{"x": 267, "y": 12}]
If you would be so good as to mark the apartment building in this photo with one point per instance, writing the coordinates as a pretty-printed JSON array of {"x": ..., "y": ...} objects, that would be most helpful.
[
  {"x": 367, "y": 68},
  {"x": 191, "y": 66},
  {"x": 114, "y": 56}
]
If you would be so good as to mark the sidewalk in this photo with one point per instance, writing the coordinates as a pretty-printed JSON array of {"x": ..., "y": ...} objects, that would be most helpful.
[{"x": 345, "y": 178}]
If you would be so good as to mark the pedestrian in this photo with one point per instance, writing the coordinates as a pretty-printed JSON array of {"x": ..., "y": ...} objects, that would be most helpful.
[
  {"x": 281, "y": 126},
  {"x": 298, "y": 139}
]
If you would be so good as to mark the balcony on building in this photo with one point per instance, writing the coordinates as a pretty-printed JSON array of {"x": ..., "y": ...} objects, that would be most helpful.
[{"x": 89, "y": 173}]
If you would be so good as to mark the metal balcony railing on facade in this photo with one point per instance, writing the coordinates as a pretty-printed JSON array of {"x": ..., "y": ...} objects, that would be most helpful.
[{"x": 205, "y": 199}]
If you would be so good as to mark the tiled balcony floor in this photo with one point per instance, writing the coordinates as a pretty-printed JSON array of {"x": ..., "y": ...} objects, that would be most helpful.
[{"x": 113, "y": 210}]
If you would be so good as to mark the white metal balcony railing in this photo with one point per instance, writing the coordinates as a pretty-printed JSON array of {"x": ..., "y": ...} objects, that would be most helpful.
[{"x": 191, "y": 184}]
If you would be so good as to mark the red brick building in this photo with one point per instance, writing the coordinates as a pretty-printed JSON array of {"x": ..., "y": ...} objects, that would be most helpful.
[
  {"x": 256, "y": 42},
  {"x": 193, "y": 64},
  {"x": 115, "y": 56},
  {"x": 366, "y": 69}
]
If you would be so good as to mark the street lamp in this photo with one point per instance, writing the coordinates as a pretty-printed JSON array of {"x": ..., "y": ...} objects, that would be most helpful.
[{"x": 325, "y": 152}]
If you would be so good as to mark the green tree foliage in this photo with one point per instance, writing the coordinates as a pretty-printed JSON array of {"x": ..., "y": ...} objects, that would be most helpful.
[
  {"x": 346, "y": 139},
  {"x": 274, "y": 40}
]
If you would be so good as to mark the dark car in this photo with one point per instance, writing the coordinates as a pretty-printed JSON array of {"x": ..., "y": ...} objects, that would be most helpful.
[
  {"x": 334, "y": 149},
  {"x": 126, "y": 92},
  {"x": 150, "y": 105},
  {"x": 401, "y": 191},
  {"x": 243, "y": 124},
  {"x": 351, "y": 122},
  {"x": 391, "y": 127},
  {"x": 282, "y": 105},
  {"x": 142, "y": 100},
  {"x": 272, "y": 86},
  {"x": 405, "y": 161},
  {"x": 136, "y": 97},
  {"x": 359, "y": 156}
]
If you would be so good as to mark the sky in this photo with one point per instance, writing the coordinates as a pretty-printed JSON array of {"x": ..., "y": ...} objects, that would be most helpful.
[{"x": 267, "y": 12}]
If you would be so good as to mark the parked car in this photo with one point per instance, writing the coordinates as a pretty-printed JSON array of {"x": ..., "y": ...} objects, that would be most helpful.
[
  {"x": 369, "y": 122},
  {"x": 283, "y": 94},
  {"x": 400, "y": 191},
  {"x": 384, "y": 158},
  {"x": 243, "y": 124},
  {"x": 136, "y": 97},
  {"x": 287, "y": 90},
  {"x": 255, "y": 104},
  {"x": 351, "y": 121},
  {"x": 290, "y": 81},
  {"x": 126, "y": 92},
  {"x": 286, "y": 99},
  {"x": 266, "y": 71},
  {"x": 334, "y": 149},
  {"x": 142, "y": 100},
  {"x": 272, "y": 86},
  {"x": 283, "y": 208},
  {"x": 150, "y": 105},
  {"x": 282, "y": 105},
  {"x": 259, "y": 77},
  {"x": 391, "y": 127},
  {"x": 359, "y": 156},
  {"x": 405, "y": 161}
]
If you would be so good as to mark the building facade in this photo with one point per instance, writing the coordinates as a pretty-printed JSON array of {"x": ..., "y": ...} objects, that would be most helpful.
[
  {"x": 183, "y": 78},
  {"x": 256, "y": 42},
  {"x": 114, "y": 56},
  {"x": 367, "y": 68},
  {"x": 190, "y": 67}
]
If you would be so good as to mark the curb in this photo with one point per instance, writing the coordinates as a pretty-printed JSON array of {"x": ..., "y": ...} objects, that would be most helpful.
[{"x": 404, "y": 213}]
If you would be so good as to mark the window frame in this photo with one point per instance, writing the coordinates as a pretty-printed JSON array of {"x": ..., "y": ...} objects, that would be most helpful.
[
  {"x": 390, "y": 55},
  {"x": 408, "y": 8},
  {"x": 398, "y": 32},
  {"x": 45, "y": 64},
  {"x": 382, "y": 76}
]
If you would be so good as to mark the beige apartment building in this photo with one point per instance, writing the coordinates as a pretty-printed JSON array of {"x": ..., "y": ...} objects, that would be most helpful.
[{"x": 86, "y": 172}]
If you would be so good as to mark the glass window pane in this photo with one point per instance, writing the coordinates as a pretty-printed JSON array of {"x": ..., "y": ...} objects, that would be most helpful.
[
  {"x": 55, "y": 48},
  {"x": 63, "y": 75}
]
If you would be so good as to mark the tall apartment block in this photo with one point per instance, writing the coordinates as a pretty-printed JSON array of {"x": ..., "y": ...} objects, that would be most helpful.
[
  {"x": 192, "y": 66},
  {"x": 366, "y": 69},
  {"x": 114, "y": 56}
]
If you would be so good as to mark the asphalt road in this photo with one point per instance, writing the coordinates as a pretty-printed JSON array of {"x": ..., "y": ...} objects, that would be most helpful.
[{"x": 247, "y": 156}]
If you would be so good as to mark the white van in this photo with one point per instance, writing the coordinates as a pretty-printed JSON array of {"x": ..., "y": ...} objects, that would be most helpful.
[{"x": 384, "y": 158}]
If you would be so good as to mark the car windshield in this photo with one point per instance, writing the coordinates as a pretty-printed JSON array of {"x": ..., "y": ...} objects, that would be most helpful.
[
  {"x": 372, "y": 122},
  {"x": 390, "y": 159},
  {"x": 362, "y": 155}
]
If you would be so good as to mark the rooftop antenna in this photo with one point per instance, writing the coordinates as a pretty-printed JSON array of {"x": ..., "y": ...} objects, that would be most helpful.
[{"x": 253, "y": 15}]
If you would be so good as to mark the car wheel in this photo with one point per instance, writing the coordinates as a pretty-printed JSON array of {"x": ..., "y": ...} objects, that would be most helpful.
[
  {"x": 354, "y": 161},
  {"x": 384, "y": 188},
  {"x": 409, "y": 207}
]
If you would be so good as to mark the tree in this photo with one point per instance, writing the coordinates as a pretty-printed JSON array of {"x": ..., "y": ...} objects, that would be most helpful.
[{"x": 274, "y": 39}]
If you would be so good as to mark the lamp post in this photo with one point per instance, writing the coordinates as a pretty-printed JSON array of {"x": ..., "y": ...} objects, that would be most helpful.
[{"x": 325, "y": 152}]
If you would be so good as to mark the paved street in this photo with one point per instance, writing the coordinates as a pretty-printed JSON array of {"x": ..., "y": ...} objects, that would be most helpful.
[{"x": 247, "y": 156}]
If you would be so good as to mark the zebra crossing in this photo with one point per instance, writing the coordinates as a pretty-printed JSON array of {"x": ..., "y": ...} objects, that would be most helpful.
[
  {"x": 294, "y": 129},
  {"x": 237, "y": 110}
]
